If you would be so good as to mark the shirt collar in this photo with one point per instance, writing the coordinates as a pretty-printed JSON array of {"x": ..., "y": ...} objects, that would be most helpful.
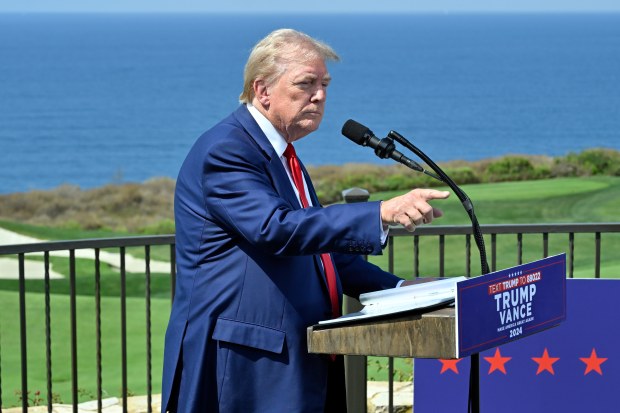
[{"x": 276, "y": 140}]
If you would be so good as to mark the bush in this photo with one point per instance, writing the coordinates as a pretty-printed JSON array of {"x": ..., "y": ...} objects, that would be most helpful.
[
  {"x": 600, "y": 161},
  {"x": 596, "y": 161},
  {"x": 510, "y": 168},
  {"x": 542, "y": 172}
]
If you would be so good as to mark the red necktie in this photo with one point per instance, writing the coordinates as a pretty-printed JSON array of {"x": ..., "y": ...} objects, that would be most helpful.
[{"x": 328, "y": 265}]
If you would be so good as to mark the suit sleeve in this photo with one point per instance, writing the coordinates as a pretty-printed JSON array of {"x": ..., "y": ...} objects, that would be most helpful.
[{"x": 243, "y": 190}]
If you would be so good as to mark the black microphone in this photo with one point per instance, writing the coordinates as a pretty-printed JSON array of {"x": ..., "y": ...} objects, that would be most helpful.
[{"x": 384, "y": 148}]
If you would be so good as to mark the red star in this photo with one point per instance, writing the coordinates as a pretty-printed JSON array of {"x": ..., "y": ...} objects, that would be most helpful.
[
  {"x": 593, "y": 363},
  {"x": 545, "y": 363},
  {"x": 497, "y": 362},
  {"x": 449, "y": 365}
]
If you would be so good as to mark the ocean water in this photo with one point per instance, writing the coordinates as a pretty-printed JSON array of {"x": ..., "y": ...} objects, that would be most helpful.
[{"x": 94, "y": 99}]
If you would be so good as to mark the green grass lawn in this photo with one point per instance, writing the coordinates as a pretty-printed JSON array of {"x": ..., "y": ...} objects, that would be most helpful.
[{"x": 595, "y": 199}]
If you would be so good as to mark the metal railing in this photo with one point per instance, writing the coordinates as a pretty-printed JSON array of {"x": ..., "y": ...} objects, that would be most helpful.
[
  {"x": 518, "y": 230},
  {"x": 423, "y": 235},
  {"x": 49, "y": 248}
]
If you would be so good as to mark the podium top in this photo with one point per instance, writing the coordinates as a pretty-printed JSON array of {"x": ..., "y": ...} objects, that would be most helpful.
[{"x": 419, "y": 334}]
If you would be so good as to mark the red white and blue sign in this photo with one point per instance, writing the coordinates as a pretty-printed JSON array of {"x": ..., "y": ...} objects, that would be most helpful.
[
  {"x": 507, "y": 305},
  {"x": 569, "y": 368}
]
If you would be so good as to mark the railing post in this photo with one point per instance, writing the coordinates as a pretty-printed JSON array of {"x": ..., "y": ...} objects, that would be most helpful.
[
  {"x": 597, "y": 256},
  {"x": 571, "y": 254},
  {"x": 98, "y": 330},
  {"x": 73, "y": 318},
  {"x": 149, "y": 373},
  {"x": 493, "y": 252},
  {"x": 48, "y": 331},
  {"x": 468, "y": 255},
  {"x": 355, "y": 366},
  {"x": 442, "y": 255},
  {"x": 123, "y": 330},
  {"x": 416, "y": 256},
  {"x": 22, "y": 332}
]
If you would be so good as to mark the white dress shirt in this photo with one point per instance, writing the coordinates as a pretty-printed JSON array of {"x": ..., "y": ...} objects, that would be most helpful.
[{"x": 279, "y": 145}]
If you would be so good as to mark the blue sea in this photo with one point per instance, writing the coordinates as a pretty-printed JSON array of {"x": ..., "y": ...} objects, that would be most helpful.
[{"x": 101, "y": 98}]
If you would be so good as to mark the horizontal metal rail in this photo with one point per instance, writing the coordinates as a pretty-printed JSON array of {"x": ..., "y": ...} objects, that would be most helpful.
[
  {"x": 559, "y": 228},
  {"x": 140, "y": 241},
  {"x": 136, "y": 241}
]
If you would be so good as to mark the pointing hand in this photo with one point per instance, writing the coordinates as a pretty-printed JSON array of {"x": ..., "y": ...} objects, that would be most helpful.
[{"x": 412, "y": 209}]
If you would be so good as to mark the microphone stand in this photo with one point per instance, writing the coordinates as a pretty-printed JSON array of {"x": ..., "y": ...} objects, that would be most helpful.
[{"x": 387, "y": 144}]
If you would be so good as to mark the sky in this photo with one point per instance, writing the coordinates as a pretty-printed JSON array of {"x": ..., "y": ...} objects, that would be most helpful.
[{"x": 314, "y": 6}]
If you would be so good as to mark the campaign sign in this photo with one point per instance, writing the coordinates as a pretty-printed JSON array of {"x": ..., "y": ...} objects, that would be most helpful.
[
  {"x": 571, "y": 368},
  {"x": 506, "y": 305}
]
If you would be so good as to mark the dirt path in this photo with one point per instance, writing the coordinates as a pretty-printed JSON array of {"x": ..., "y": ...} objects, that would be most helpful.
[{"x": 34, "y": 269}]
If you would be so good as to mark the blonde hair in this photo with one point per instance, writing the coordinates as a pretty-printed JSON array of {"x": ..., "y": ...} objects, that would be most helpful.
[{"x": 270, "y": 57}]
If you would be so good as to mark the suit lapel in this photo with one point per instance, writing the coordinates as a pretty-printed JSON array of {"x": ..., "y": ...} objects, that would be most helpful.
[{"x": 278, "y": 174}]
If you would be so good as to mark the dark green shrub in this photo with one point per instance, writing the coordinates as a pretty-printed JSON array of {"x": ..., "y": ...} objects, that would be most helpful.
[
  {"x": 510, "y": 168},
  {"x": 596, "y": 161},
  {"x": 542, "y": 172},
  {"x": 600, "y": 161}
]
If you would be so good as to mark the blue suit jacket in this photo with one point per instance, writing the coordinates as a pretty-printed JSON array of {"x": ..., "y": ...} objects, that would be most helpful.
[{"x": 249, "y": 281}]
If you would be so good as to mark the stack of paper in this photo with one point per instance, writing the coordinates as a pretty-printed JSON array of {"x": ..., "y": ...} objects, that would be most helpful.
[{"x": 400, "y": 299}]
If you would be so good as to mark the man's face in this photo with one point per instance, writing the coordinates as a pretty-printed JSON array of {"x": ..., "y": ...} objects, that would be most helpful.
[{"x": 296, "y": 101}]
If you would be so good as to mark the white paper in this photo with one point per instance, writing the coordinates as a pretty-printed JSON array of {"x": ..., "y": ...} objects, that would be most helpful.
[{"x": 400, "y": 299}]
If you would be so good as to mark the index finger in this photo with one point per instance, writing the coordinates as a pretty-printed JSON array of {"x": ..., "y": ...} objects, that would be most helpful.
[{"x": 433, "y": 194}]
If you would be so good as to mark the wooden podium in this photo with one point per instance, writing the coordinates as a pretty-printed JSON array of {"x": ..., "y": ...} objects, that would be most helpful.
[
  {"x": 488, "y": 311},
  {"x": 419, "y": 334}
]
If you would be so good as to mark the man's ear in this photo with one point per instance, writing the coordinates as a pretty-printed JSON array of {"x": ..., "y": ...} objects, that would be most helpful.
[{"x": 261, "y": 92}]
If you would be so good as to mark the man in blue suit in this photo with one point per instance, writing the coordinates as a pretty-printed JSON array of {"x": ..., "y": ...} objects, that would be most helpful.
[{"x": 259, "y": 260}]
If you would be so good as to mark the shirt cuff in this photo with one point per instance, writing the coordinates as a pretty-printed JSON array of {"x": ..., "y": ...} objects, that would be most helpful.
[
  {"x": 384, "y": 235},
  {"x": 384, "y": 232},
  {"x": 399, "y": 283}
]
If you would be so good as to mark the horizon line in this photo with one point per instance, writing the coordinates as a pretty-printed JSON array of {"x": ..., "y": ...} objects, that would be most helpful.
[{"x": 325, "y": 12}]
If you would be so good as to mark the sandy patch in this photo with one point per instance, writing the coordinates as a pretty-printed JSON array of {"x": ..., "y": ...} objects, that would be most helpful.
[
  {"x": 9, "y": 267},
  {"x": 33, "y": 270}
]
